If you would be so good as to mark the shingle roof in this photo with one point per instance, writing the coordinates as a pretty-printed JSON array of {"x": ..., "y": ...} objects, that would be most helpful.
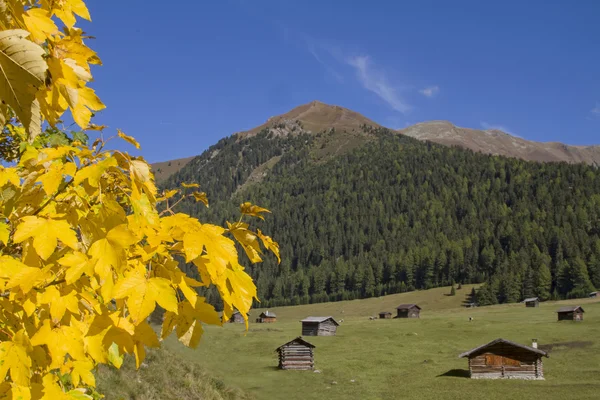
[
  {"x": 531, "y": 299},
  {"x": 318, "y": 319},
  {"x": 297, "y": 340},
  {"x": 268, "y": 314},
  {"x": 569, "y": 309},
  {"x": 385, "y": 312},
  {"x": 493, "y": 342},
  {"x": 407, "y": 306}
]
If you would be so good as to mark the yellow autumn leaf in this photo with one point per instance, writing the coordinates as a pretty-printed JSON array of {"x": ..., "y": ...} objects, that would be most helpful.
[
  {"x": 86, "y": 102},
  {"x": 23, "y": 73},
  {"x": 59, "y": 302},
  {"x": 9, "y": 175},
  {"x": 78, "y": 264},
  {"x": 247, "y": 239},
  {"x": 170, "y": 193},
  {"x": 94, "y": 172},
  {"x": 67, "y": 9},
  {"x": 60, "y": 341},
  {"x": 142, "y": 295},
  {"x": 39, "y": 23},
  {"x": 82, "y": 371},
  {"x": 190, "y": 185},
  {"x": 15, "y": 361},
  {"x": 248, "y": 208},
  {"x": 128, "y": 139},
  {"x": 269, "y": 243},
  {"x": 4, "y": 232},
  {"x": 45, "y": 233},
  {"x": 201, "y": 196}
]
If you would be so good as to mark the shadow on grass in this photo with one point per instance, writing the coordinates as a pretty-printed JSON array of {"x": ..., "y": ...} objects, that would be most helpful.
[{"x": 456, "y": 373}]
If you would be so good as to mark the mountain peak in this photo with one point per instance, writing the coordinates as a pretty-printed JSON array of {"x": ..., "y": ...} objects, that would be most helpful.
[{"x": 317, "y": 116}]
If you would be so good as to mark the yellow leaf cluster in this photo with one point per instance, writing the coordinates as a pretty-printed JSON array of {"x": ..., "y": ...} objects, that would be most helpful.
[
  {"x": 85, "y": 254},
  {"x": 46, "y": 67},
  {"x": 87, "y": 258}
]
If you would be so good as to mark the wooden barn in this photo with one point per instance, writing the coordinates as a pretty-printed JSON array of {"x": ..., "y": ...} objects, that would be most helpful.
[
  {"x": 296, "y": 354},
  {"x": 266, "y": 317},
  {"x": 385, "y": 315},
  {"x": 408, "y": 311},
  {"x": 502, "y": 358},
  {"x": 532, "y": 302},
  {"x": 595, "y": 294},
  {"x": 237, "y": 318},
  {"x": 570, "y": 313},
  {"x": 319, "y": 326}
]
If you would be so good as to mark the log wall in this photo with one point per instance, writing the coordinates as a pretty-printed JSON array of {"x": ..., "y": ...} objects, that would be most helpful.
[
  {"x": 296, "y": 356},
  {"x": 502, "y": 361},
  {"x": 325, "y": 328}
]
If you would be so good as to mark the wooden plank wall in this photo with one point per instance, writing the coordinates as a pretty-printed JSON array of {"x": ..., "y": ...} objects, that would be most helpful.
[
  {"x": 296, "y": 356},
  {"x": 504, "y": 361}
]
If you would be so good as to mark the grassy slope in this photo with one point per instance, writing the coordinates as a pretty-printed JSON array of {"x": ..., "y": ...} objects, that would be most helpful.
[
  {"x": 162, "y": 377},
  {"x": 390, "y": 359}
]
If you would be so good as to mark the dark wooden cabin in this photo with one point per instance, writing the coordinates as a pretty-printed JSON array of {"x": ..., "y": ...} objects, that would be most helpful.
[
  {"x": 319, "y": 326},
  {"x": 532, "y": 302},
  {"x": 237, "y": 318},
  {"x": 595, "y": 294},
  {"x": 385, "y": 315},
  {"x": 570, "y": 313},
  {"x": 296, "y": 354},
  {"x": 408, "y": 311},
  {"x": 502, "y": 358},
  {"x": 266, "y": 317}
]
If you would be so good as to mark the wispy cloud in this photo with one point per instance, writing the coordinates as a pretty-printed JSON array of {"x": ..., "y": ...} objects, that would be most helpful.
[
  {"x": 502, "y": 128},
  {"x": 430, "y": 91},
  {"x": 313, "y": 51},
  {"x": 375, "y": 81},
  {"x": 596, "y": 110}
]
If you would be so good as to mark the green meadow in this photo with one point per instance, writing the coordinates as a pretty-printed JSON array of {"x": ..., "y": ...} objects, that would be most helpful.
[{"x": 401, "y": 358}]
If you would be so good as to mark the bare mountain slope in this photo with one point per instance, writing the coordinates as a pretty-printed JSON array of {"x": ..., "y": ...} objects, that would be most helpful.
[
  {"x": 501, "y": 143},
  {"x": 316, "y": 117}
]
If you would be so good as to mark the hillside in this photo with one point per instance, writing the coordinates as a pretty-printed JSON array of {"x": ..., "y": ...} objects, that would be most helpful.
[
  {"x": 500, "y": 143},
  {"x": 388, "y": 214},
  {"x": 163, "y": 170},
  {"x": 408, "y": 359}
]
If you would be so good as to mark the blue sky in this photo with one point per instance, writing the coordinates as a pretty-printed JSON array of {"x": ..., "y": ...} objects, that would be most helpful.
[{"x": 180, "y": 78}]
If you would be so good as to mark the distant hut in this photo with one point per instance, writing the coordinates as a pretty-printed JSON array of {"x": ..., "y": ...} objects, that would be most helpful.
[
  {"x": 532, "y": 302},
  {"x": 385, "y": 315},
  {"x": 319, "y": 326},
  {"x": 570, "y": 313},
  {"x": 502, "y": 358},
  {"x": 237, "y": 318},
  {"x": 408, "y": 311},
  {"x": 266, "y": 317},
  {"x": 595, "y": 294},
  {"x": 296, "y": 354}
]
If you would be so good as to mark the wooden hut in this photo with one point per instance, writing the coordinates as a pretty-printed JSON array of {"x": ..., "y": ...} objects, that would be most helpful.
[
  {"x": 237, "y": 318},
  {"x": 532, "y": 302},
  {"x": 385, "y": 315},
  {"x": 502, "y": 358},
  {"x": 408, "y": 311},
  {"x": 319, "y": 326},
  {"x": 266, "y": 317},
  {"x": 595, "y": 294},
  {"x": 570, "y": 313},
  {"x": 296, "y": 354}
]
